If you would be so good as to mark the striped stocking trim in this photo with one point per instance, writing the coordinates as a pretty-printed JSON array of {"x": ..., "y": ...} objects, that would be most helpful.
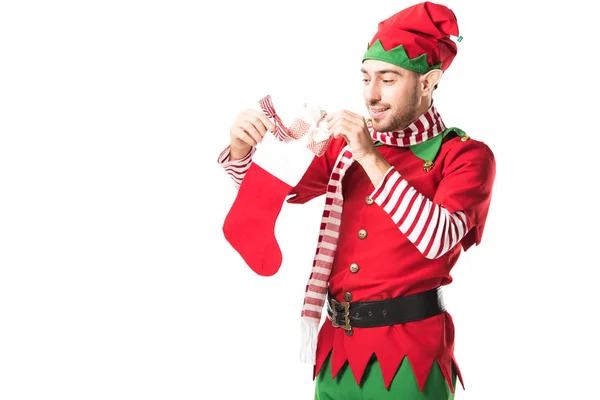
[{"x": 281, "y": 132}]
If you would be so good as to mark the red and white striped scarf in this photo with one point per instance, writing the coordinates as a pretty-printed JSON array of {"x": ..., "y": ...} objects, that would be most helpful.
[{"x": 428, "y": 125}]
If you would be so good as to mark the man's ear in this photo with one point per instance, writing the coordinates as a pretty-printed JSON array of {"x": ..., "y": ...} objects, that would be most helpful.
[{"x": 430, "y": 80}]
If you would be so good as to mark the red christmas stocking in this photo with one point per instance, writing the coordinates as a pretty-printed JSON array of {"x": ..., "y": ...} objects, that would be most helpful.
[
  {"x": 250, "y": 224},
  {"x": 278, "y": 164}
]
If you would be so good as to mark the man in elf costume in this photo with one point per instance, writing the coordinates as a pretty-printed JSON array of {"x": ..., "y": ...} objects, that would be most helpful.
[{"x": 404, "y": 195}]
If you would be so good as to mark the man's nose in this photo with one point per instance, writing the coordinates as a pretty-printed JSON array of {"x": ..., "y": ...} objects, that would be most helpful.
[{"x": 372, "y": 93}]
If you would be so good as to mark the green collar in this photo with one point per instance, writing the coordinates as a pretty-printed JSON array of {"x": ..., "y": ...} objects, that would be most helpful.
[{"x": 429, "y": 149}]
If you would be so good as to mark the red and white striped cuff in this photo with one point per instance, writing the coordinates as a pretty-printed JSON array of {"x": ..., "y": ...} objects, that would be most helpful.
[
  {"x": 236, "y": 169},
  {"x": 429, "y": 226}
]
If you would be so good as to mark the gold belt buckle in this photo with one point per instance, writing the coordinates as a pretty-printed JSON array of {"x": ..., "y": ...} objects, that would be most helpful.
[{"x": 346, "y": 314}]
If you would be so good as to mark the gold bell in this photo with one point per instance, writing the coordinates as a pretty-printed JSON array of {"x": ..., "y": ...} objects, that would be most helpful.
[
  {"x": 427, "y": 165},
  {"x": 464, "y": 138}
]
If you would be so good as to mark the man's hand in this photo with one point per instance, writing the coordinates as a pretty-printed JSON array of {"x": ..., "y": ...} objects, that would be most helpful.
[
  {"x": 354, "y": 129},
  {"x": 248, "y": 129}
]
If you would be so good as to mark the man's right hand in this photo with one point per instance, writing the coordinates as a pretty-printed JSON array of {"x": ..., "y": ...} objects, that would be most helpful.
[{"x": 248, "y": 129}]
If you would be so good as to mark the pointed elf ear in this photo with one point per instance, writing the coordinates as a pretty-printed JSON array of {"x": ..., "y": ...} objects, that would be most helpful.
[{"x": 430, "y": 80}]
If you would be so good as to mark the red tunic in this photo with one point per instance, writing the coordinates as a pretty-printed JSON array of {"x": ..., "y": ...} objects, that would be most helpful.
[{"x": 389, "y": 264}]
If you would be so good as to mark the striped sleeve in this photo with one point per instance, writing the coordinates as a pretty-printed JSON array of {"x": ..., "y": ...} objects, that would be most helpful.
[
  {"x": 236, "y": 169},
  {"x": 429, "y": 226}
]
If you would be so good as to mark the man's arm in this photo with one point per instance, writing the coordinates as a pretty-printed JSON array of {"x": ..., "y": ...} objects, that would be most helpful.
[
  {"x": 459, "y": 208},
  {"x": 456, "y": 213},
  {"x": 248, "y": 130}
]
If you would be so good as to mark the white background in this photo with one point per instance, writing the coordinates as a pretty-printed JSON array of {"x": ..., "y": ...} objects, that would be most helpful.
[{"x": 115, "y": 279}]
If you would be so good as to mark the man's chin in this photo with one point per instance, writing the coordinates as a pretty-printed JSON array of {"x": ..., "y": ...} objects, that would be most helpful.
[{"x": 380, "y": 125}]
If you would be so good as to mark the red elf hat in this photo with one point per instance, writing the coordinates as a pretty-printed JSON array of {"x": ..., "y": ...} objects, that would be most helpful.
[{"x": 418, "y": 38}]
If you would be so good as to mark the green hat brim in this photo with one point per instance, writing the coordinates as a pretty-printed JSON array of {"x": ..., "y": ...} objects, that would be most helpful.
[{"x": 397, "y": 56}]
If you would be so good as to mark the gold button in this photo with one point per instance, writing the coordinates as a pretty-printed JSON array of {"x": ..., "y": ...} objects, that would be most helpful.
[
  {"x": 362, "y": 234},
  {"x": 427, "y": 165},
  {"x": 347, "y": 296},
  {"x": 354, "y": 268},
  {"x": 349, "y": 332},
  {"x": 369, "y": 200}
]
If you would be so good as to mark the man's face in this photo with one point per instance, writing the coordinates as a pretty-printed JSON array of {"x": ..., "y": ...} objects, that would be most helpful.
[{"x": 392, "y": 95}]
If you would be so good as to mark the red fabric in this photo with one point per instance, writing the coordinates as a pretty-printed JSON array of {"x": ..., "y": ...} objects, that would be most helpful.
[
  {"x": 250, "y": 224},
  {"x": 463, "y": 176},
  {"x": 421, "y": 29},
  {"x": 390, "y": 265},
  {"x": 316, "y": 178}
]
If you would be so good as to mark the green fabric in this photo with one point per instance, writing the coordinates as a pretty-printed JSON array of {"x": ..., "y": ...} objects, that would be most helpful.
[
  {"x": 397, "y": 56},
  {"x": 428, "y": 150},
  {"x": 404, "y": 385}
]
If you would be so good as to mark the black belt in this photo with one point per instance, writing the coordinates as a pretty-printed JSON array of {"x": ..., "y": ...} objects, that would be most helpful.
[{"x": 399, "y": 310}]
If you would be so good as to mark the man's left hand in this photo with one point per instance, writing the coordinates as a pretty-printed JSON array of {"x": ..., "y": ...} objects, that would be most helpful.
[{"x": 354, "y": 129}]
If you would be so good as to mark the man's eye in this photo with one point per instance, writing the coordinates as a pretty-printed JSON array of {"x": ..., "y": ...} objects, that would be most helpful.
[
  {"x": 365, "y": 80},
  {"x": 387, "y": 81}
]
